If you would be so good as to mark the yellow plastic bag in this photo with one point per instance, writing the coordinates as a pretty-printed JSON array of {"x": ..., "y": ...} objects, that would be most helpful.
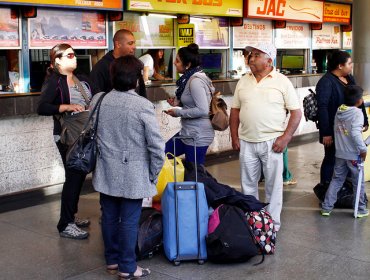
[{"x": 167, "y": 175}]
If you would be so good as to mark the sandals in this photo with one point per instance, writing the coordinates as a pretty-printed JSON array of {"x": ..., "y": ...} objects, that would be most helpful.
[
  {"x": 144, "y": 272},
  {"x": 112, "y": 269}
]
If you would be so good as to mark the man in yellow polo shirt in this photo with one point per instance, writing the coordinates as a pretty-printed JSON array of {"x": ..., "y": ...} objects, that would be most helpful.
[{"x": 259, "y": 125}]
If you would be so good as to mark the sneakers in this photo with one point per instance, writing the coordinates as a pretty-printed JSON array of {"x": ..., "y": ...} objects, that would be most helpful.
[
  {"x": 290, "y": 182},
  {"x": 74, "y": 232},
  {"x": 325, "y": 213},
  {"x": 81, "y": 222},
  {"x": 363, "y": 214}
]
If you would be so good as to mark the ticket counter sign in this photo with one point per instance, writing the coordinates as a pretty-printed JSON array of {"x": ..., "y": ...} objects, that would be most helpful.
[
  {"x": 80, "y": 4},
  {"x": 329, "y": 37},
  {"x": 82, "y": 30},
  {"x": 337, "y": 13},
  {"x": 347, "y": 40},
  {"x": 9, "y": 29},
  {"x": 148, "y": 31},
  {"x": 185, "y": 35},
  {"x": 252, "y": 32},
  {"x": 290, "y": 10},
  {"x": 211, "y": 34},
  {"x": 293, "y": 36},
  {"x": 229, "y": 8}
]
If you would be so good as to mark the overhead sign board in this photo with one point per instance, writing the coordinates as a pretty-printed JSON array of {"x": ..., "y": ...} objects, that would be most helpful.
[
  {"x": 230, "y": 8},
  {"x": 80, "y": 29},
  {"x": 252, "y": 32},
  {"x": 186, "y": 34},
  {"x": 329, "y": 37},
  {"x": 81, "y": 4},
  {"x": 148, "y": 31},
  {"x": 290, "y": 10},
  {"x": 9, "y": 29},
  {"x": 337, "y": 13},
  {"x": 294, "y": 36}
]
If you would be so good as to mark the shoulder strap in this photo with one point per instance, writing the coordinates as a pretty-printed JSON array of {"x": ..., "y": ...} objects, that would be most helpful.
[
  {"x": 194, "y": 77},
  {"x": 81, "y": 89},
  {"x": 97, "y": 110}
]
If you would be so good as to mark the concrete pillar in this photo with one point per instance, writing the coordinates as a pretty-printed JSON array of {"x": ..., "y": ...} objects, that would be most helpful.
[{"x": 361, "y": 43}]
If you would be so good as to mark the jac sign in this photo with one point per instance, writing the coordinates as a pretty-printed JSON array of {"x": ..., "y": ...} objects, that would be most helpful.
[{"x": 293, "y": 10}]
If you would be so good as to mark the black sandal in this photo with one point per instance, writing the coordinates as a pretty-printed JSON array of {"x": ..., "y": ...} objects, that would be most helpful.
[{"x": 144, "y": 272}]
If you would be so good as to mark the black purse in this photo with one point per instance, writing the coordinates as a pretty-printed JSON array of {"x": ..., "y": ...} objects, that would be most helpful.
[{"x": 82, "y": 155}]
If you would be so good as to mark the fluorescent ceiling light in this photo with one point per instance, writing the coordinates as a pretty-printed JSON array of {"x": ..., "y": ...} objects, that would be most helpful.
[
  {"x": 162, "y": 15},
  {"x": 200, "y": 19}
]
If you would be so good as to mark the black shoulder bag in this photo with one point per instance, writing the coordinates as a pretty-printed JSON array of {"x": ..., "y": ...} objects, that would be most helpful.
[{"x": 83, "y": 152}]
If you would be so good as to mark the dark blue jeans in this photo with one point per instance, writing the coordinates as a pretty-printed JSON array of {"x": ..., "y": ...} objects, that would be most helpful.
[
  {"x": 188, "y": 150},
  {"x": 119, "y": 223},
  {"x": 327, "y": 166}
]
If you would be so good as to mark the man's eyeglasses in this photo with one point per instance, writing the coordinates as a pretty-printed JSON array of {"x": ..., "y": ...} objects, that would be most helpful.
[{"x": 69, "y": 55}]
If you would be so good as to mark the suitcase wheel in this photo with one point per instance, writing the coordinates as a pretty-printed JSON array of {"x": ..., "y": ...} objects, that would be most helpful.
[
  {"x": 200, "y": 262},
  {"x": 176, "y": 263}
]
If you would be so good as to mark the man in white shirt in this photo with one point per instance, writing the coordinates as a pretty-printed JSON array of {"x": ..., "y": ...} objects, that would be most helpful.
[{"x": 258, "y": 127}]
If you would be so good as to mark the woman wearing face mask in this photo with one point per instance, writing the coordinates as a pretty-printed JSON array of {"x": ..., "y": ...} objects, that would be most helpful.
[
  {"x": 193, "y": 95},
  {"x": 63, "y": 92},
  {"x": 330, "y": 95}
]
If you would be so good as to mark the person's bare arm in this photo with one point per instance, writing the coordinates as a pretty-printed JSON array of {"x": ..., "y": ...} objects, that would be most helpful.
[
  {"x": 282, "y": 141},
  {"x": 234, "y": 126}
]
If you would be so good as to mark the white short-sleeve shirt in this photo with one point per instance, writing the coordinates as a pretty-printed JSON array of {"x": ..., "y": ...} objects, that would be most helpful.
[
  {"x": 149, "y": 62},
  {"x": 263, "y": 106}
]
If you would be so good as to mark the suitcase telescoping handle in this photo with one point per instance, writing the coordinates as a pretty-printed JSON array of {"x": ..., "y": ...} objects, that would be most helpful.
[
  {"x": 195, "y": 154},
  {"x": 360, "y": 167},
  {"x": 177, "y": 259}
]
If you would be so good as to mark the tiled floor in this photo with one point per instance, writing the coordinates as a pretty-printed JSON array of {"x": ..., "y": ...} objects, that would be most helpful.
[{"x": 309, "y": 246}]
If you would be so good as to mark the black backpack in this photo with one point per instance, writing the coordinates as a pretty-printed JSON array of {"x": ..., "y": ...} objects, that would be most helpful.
[
  {"x": 232, "y": 240},
  {"x": 150, "y": 234},
  {"x": 310, "y": 108},
  {"x": 345, "y": 195}
]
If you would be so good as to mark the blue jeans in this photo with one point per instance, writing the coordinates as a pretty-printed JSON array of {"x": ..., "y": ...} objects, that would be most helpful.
[
  {"x": 341, "y": 169},
  {"x": 119, "y": 223},
  {"x": 188, "y": 150}
]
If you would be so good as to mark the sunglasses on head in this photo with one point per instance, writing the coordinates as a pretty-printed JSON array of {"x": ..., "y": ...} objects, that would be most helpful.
[{"x": 69, "y": 55}]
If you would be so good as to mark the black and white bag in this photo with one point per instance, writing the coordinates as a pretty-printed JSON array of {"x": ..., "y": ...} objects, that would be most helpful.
[
  {"x": 310, "y": 107},
  {"x": 230, "y": 239}
]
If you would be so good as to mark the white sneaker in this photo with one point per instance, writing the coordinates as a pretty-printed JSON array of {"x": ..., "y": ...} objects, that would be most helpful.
[{"x": 74, "y": 232}]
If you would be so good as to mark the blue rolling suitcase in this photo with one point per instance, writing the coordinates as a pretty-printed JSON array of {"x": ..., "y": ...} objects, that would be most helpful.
[{"x": 185, "y": 220}]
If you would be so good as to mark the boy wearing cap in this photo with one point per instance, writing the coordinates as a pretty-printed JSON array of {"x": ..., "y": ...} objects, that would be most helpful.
[
  {"x": 350, "y": 150},
  {"x": 258, "y": 125}
]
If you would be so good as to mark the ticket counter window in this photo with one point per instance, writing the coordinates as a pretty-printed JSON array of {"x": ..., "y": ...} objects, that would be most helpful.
[
  {"x": 212, "y": 64},
  {"x": 9, "y": 71},
  {"x": 40, "y": 62},
  {"x": 4, "y": 75},
  {"x": 293, "y": 64}
]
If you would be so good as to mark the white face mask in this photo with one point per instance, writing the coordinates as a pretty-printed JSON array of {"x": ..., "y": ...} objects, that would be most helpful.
[{"x": 68, "y": 62}]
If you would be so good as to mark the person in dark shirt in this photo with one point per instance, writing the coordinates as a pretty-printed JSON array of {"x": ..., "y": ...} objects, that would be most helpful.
[
  {"x": 123, "y": 44},
  {"x": 61, "y": 94},
  {"x": 330, "y": 95}
]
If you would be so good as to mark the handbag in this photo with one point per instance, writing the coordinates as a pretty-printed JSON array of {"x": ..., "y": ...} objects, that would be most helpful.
[
  {"x": 73, "y": 123},
  {"x": 218, "y": 112},
  {"x": 82, "y": 155},
  {"x": 167, "y": 174}
]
